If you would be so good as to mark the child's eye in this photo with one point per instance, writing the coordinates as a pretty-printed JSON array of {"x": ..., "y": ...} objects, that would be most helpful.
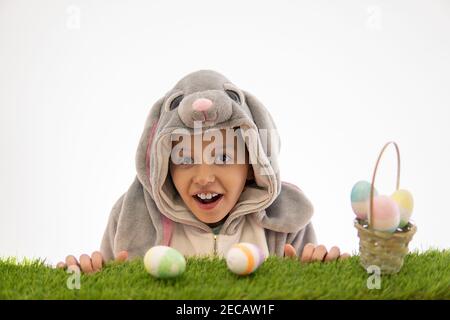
[
  {"x": 222, "y": 159},
  {"x": 187, "y": 161}
]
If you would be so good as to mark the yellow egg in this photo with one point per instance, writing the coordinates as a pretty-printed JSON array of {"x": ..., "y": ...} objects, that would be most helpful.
[{"x": 405, "y": 203}]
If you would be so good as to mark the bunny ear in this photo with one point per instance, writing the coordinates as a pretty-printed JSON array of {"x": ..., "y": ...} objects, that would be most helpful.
[
  {"x": 145, "y": 143},
  {"x": 263, "y": 120},
  {"x": 268, "y": 132},
  {"x": 260, "y": 115}
]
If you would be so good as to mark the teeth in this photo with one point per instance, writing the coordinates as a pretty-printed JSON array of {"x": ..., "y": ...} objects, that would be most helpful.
[{"x": 206, "y": 195}]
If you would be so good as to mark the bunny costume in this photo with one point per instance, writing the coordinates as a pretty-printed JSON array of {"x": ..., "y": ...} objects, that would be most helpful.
[{"x": 269, "y": 213}]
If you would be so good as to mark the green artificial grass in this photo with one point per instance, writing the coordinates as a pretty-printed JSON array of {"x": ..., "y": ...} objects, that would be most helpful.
[{"x": 424, "y": 276}]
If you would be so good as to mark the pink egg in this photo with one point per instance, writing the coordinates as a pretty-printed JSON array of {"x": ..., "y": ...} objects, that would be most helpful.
[{"x": 386, "y": 214}]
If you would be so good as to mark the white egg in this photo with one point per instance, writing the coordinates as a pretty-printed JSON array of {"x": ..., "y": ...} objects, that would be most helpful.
[{"x": 244, "y": 258}]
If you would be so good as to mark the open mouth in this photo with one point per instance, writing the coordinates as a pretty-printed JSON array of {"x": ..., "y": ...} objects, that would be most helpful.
[{"x": 208, "y": 198}]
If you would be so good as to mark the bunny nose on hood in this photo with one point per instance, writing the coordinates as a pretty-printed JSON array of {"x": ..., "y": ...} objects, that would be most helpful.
[
  {"x": 209, "y": 108},
  {"x": 204, "y": 111},
  {"x": 202, "y": 104}
]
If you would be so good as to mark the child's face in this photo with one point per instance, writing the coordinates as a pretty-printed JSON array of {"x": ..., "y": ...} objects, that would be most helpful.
[{"x": 215, "y": 171}]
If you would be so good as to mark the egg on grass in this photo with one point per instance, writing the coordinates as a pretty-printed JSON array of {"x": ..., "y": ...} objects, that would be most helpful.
[
  {"x": 244, "y": 258},
  {"x": 164, "y": 262}
]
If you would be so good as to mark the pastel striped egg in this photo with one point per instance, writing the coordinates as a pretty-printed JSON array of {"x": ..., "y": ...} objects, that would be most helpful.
[
  {"x": 360, "y": 198},
  {"x": 244, "y": 258},
  {"x": 405, "y": 202},
  {"x": 164, "y": 262},
  {"x": 386, "y": 214}
]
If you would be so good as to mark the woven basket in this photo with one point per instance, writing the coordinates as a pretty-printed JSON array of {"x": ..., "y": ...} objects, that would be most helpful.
[{"x": 383, "y": 249}]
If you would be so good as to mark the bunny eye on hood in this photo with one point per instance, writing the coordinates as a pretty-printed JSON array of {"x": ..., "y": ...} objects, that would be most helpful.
[
  {"x": 176, "y": 102},
  {"x": 233, "y": 95}
]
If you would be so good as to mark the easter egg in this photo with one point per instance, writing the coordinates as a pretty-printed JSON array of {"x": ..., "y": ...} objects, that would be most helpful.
[
  {"x": 386, "y": 214},
  {"x": 164, "y": 262},
  {"x": 360, "y": 198},
  {"x": 405, "y": 203},
  {"x": 244, "y": 258}
]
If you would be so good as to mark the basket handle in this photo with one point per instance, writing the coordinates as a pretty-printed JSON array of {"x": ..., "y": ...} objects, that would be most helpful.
[{"x": 372, "y": 187}]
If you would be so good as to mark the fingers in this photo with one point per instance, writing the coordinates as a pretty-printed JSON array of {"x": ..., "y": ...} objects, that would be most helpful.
[
  {"x": 122, "y": 256},
  {"x": 319, "y": 253},
  {"x": 344, "y": 256},
  {"x": 97, "y": 261},
  {"x": 307, "y": 253},
  {"x": 333, "y": 254},
  {"x": 86, "y": 264},
  {"x": 71, "y": 261},
  {"x": 312, "y": 253},
  {"x": 289, "y": 251}
]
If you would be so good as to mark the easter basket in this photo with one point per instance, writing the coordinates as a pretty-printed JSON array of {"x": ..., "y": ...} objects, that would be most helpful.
[{"x": 386, "y": 250}]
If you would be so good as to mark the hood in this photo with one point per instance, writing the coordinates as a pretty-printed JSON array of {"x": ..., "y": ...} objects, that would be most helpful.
[{"x": 244, "y": 111}]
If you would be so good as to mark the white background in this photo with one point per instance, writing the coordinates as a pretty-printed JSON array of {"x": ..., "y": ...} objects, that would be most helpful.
[{"x": 341, "y": 78}]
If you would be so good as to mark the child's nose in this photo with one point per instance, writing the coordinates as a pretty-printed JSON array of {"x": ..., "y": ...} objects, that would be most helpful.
[
  {"x": 202, "y": 104},
  {"x": 204, "y": 175}
]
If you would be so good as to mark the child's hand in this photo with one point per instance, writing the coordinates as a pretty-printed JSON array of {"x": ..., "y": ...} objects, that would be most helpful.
[
  {"x": 90, "y": 264},
  {"x": 313, "y": 253}
]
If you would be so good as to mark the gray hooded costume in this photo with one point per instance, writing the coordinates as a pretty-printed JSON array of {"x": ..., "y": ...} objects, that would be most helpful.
[{"x": 269, "y": 213}]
